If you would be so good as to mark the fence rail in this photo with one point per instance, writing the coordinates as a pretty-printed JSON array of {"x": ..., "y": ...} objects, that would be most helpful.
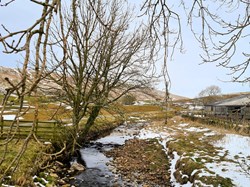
[{"x": 44, "y": 130}]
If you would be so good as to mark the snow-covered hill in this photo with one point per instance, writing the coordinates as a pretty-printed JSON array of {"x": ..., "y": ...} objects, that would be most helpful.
[{"x": 14, "y": 76}]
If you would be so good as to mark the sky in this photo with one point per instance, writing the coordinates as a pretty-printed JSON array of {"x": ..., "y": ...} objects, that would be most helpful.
[{"x": 188, "y": 76}]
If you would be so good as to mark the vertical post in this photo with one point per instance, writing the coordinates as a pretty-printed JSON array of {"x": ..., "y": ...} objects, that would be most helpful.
[
  {"x": 54, "y": 130},
  {"x": 1, "y": 124},
  {"x": 36, "y": 126}
]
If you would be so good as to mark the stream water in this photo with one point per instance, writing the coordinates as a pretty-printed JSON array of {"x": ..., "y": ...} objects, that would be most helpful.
[{"x": 98, "y": 172}]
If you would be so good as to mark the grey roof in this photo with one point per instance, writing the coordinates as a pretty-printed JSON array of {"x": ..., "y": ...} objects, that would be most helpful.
[{"x": 241, "y": 100}]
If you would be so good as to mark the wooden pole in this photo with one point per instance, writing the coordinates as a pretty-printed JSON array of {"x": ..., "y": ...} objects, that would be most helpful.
[{"x": 1, "y": 123}]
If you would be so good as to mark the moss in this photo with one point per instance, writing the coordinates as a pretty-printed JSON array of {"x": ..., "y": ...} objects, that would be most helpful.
[
  {"x": 217, "y": 181},
  {"x": 187, "y": 166}
]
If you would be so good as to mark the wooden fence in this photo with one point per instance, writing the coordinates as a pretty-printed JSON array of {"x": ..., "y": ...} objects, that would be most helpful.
[
  {"x": 231, "y": 121},
  {"x": 44, "y": 130}
]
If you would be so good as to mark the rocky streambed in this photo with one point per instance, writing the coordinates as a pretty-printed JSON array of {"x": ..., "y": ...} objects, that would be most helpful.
[
  {"x": 98, "y": 156},
  {"x": 181, "y": 153},
  {"x": 127, "y": 157}
]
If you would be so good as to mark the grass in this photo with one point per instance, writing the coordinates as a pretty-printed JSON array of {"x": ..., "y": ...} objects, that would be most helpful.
[
  {"x": 28, "y": 165},
  {"x": 195, "y": 151},
  {"x": 33, "y": 155}
]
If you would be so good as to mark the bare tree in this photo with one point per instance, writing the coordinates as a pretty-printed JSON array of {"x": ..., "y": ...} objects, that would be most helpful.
[
  {"x": 21, "y": 42},
  {"x": 210, "y": 91},
  {"x": 102, "y": 60},
  {"x": 210, "y": 94},
  {"x": 221, "y": 27}
]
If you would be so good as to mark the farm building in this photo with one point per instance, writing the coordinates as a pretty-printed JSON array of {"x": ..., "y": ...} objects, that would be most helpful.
[{"x": 233, "y": 108}]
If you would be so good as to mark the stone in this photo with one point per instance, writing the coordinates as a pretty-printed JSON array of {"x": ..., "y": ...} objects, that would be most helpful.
[
  {"x": 54, "y": 175},
  {"x": 77, "y": 167}
]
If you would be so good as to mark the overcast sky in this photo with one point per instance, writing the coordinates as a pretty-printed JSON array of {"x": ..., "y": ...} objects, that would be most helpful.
[{"x": 188, "y": 77}]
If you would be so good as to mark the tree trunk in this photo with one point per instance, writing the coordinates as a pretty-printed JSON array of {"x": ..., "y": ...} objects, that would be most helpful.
[{"x": 93, "y": 115}]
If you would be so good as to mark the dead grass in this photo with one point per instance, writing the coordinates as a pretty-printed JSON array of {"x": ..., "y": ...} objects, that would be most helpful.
[{"x": 32, "y": 157}]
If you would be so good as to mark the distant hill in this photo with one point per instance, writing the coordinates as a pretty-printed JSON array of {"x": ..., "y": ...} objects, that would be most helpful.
[
  {"x": 12, "y": 74},
  {"x": 141, "y": 94},
  {"x": 212, "y": 99}
]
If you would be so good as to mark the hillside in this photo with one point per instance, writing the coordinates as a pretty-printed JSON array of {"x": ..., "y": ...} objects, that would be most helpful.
[{"x": 141, "y": 94}]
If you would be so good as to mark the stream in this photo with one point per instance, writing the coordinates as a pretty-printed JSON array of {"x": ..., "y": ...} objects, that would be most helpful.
[{"x": 98, "y": 172}]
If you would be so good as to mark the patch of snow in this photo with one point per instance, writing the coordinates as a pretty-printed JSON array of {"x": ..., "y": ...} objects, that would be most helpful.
[
  {"x": 39, "y": 184},
  {"x": 132, "y": 117},
  {"x": 68, "y": 107},
  {"x": 199, "y": 116},
  {"x": 195, "y": 129},
  {"x": 194, "y": 171},
  {"x": 233, "y": 145},
  {"x": 183, "y": 124},
  {"x": 232, "y": 171},
  {"x": 172, "y": 167},
  {"x": 14, "y": 95},
  {"x": 47, "y": 143},
  {"x": 204, "y": 173},
  {"x": 162, "y": 137},
  {"x": 68, "y": 125},
  {"x": 10, "y": 117},
  {"x": 210, "y": 134},
  {"x": 172, "y": 170}
]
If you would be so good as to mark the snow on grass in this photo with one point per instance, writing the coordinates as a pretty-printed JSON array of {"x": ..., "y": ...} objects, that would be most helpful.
[
  {"x": 195, "y": 129},
  {"x": 7, "y": 111},
  {"x": 231, "y": 150},
  {"x": 210, "y": 134},
  {"x": 235, "y": 144},
  {"x": 162, "y": 137},
  {"x": 183, "y": 124},
  {"x": 237, "y": 148},
  {"x": 172, "y": 171},
  {"x": 230, "y": 170}
]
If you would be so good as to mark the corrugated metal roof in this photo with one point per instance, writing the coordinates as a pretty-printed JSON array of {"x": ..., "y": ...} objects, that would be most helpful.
[{"x": 242, "y": 100}]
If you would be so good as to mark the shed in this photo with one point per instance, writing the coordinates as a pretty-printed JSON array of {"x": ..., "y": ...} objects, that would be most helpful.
[{"x": 236, "y": 107}]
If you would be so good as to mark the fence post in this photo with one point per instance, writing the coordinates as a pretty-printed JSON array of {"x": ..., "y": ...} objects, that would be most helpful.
[
  {"x": 1, "y": 123},
  {"x": 36, "y": 126},
  {"x": 54, "y": 130}
]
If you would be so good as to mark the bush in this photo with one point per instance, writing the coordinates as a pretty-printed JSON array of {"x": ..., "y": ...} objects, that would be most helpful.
[{"x": 128, "y": 99}]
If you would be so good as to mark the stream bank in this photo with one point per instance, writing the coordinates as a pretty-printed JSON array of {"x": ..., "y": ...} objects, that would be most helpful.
[
  {"x": 138, "y": 151},
  {"x": 180, "y": 153}
]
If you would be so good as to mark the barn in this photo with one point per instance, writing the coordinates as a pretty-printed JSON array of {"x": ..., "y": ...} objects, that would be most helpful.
[{"x": 234, "y": 108}]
